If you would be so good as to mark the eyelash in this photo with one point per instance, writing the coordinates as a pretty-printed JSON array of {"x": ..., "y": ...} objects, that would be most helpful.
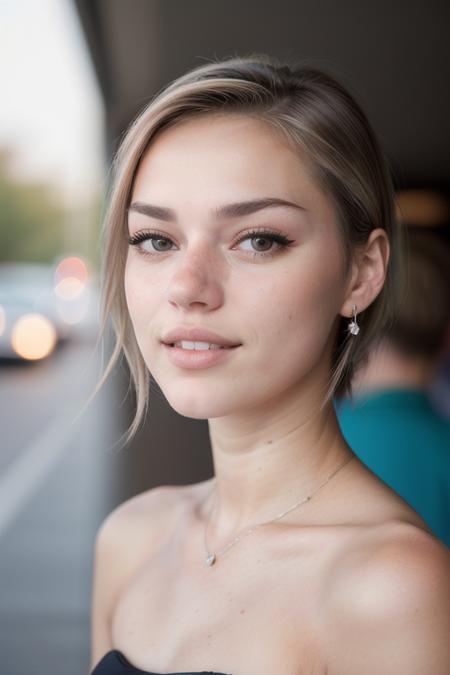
[{"x": 277, "y": 237}]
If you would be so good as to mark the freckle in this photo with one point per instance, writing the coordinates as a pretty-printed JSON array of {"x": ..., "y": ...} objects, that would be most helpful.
[
  {"x": 269, "y": 441},
  {"x": 242, "y": 611}
]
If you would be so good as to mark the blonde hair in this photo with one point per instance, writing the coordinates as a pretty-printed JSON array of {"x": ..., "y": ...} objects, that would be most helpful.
[{"x": 321, "y": 119}]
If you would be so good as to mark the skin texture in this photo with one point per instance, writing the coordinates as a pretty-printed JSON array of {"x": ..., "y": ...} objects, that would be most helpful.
[{"x": 351, "y": 583}]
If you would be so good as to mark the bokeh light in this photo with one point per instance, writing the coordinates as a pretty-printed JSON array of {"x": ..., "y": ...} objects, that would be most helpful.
[{"x": 33, "y": 337}]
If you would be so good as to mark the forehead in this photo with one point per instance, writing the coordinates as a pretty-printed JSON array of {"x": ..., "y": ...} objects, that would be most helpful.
[{"x": 223, "y": 156}]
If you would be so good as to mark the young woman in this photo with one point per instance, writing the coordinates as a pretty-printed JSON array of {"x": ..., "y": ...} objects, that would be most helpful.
[{"x": 250, "y": 254}]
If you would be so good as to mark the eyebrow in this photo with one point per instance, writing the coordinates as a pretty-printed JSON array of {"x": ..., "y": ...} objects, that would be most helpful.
[{"x": 236, "y": 210}]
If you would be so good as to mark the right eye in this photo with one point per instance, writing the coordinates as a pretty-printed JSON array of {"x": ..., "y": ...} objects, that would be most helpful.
[{"x": 140, "y": 237}]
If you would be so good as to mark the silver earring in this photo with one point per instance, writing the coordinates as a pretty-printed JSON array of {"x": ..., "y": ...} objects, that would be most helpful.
[{"x": 353, "y": 326}]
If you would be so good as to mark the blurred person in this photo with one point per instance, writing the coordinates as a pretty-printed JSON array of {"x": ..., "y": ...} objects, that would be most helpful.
[
  {"x": 391, "y": 421},
  {"x": 250, "y": 250}
]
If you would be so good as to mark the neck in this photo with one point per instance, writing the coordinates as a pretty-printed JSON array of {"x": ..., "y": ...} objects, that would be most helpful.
[{"x": 267, "y": 460}]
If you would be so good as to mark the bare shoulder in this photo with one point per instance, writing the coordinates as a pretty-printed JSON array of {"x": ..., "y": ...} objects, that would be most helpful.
[
  {"x": 135, "y": 528},
  {"x": 150, "y": 510},
  {"x": 129, "y": 533},
  {"x": 390, "y": 601},
  {"x": 133, "y": 531}
]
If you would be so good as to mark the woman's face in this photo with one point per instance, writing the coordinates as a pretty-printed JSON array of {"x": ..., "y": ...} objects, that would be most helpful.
[{"x": 205, "y": 270}]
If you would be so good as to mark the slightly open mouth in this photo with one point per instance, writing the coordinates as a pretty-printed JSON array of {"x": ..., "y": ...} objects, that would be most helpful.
[{"x": 210, "y": 349}]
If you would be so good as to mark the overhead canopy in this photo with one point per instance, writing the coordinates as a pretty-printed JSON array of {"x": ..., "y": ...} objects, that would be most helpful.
[{"x": 394, "y": 57}]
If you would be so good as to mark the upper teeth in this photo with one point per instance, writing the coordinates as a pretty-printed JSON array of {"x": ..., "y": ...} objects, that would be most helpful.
[{"x": 184, "y": 344}]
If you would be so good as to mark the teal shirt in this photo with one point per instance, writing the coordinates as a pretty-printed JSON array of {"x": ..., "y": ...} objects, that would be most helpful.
[{"x": 405, "y": 442}]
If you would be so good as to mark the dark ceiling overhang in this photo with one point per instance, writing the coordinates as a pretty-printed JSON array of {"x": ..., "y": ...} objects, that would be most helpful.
[{"x": 394, "y": 57}]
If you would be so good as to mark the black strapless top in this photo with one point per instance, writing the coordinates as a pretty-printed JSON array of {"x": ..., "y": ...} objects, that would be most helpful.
[{"x": 116, "y": 663}]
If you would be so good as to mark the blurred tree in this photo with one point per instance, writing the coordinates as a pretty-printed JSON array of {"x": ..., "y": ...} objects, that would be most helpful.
[{"x": 31, "y": 220}]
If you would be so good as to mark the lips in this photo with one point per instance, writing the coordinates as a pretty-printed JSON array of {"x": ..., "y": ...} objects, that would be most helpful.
[
  {"x": 193, "y": 359},
  {"x": 192, "y": 334}
]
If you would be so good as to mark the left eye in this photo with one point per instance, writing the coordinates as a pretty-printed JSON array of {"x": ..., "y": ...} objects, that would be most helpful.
[
  {"x": 268, "y": 238},
  {"x": 259, "y": 235}
]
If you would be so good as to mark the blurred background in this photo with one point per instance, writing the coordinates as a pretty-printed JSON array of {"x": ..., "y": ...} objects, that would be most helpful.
[{"x": 74, "y": 74}]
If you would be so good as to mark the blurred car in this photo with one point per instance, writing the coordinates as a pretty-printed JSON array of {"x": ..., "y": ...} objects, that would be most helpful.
[{"x": 39, "y": 305}]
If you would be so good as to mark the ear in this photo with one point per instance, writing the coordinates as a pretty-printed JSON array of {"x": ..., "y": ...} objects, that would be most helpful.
[{"x": 368, "y": 272}]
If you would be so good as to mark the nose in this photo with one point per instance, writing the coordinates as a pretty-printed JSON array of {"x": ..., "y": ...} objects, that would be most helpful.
[{"x": 196, "y": 281}]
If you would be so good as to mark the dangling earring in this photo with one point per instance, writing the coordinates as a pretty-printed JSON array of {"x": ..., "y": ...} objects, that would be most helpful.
[{"x": 353, "y": 326}]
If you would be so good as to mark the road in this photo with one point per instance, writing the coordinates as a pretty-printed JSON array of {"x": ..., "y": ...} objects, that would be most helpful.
[{"x": 57, "y": 468}]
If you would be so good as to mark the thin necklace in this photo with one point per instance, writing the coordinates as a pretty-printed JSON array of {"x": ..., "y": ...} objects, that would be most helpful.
[{"x": 211, "y": 558}]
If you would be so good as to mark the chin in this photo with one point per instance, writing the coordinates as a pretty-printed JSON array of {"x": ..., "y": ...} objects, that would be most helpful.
[
  {"x": 200, "y": 412},
  {"x": 198, "y": 405}
]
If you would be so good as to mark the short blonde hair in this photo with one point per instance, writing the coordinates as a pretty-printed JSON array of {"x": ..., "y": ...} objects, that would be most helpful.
[{"x": 322, "y": 119}]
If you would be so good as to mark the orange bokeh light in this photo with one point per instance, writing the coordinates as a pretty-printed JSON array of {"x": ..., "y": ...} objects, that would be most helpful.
[{"x": 33, "y": 337}]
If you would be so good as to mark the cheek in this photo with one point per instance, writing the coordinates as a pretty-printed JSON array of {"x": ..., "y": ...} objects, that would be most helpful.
[{"x": 295, "y": 310}]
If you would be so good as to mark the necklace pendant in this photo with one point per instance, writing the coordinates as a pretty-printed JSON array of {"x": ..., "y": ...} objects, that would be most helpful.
[{"x": 210, "y": 560}]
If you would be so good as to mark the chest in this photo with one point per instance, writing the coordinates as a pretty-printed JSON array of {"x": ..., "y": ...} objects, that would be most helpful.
[{"x": 257, "y": 610}]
